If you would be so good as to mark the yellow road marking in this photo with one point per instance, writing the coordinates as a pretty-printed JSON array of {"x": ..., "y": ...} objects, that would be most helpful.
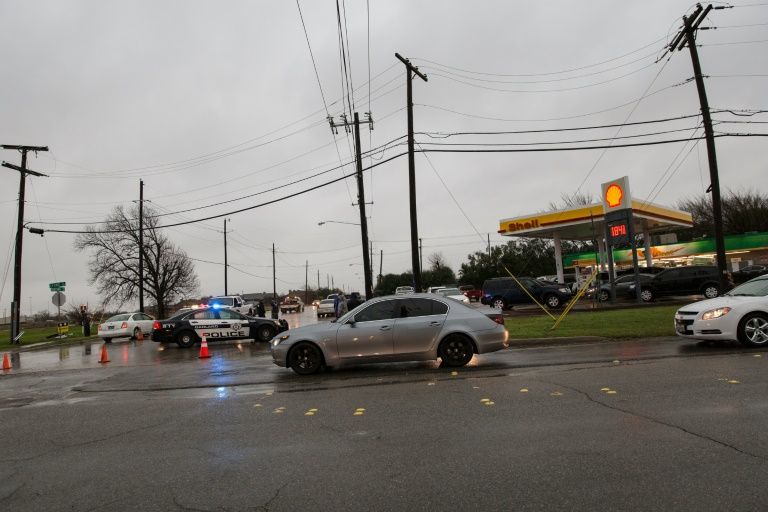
[
  {"x": 556, "y": 393},
  {"x": 489, "y": 403},
  {"x": 309, "y": 413},
  {"x": 313, "y": 410},
  {"x": 358, "y": 413},
  {"x": 733, "y": 381},
  {"x": 524, "y": 390},
  {"x": 616, "y": 361},
  {"x": 605, "y": 389},
  {"x": 757, "y": 355},
  {"x": 454, "y": 373},
  {"x": 485, "y": 400},
  {"x": 611, "y": 392}
]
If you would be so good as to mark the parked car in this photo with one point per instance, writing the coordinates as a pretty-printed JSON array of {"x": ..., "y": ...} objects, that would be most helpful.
[
  {"x": 315, "y": 303},
  {"x": 472, "y": 293},
  {"x": 354, "y": 300},
  {"x": 454, "y": 294},
  {"x": 504, "y": 292},
  {"x": 233, "y": 302},
  {"x": 291, "y": 305},
  {"x": 126, "y": 325},
  {"x": 625, "y": 287},
  {"x": 433, "y": 289},
  {"x": 696, "y": 279},
  {"x": 745, "y": 274},
  {"x": 741, "y": 314},
  {"x": 325, "y": 308},
  {"x": 416, "y": 327},
  {"x": 404, "y": 290},
  {"x": 188, "y": 327}
]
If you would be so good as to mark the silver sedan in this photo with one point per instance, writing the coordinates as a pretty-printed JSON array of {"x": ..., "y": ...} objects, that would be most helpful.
[{"x": 418, "y": 327}]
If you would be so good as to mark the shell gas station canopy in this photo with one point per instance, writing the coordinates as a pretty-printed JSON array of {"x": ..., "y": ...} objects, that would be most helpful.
[
  {"x": 611, "y": 222},
  {"x": 587, "y": 222}
]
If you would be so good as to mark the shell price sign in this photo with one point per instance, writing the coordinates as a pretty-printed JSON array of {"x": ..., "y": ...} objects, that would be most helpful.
[{"x": 616, "y": 195}]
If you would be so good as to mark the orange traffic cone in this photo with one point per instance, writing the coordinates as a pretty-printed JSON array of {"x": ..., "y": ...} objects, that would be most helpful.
[
  {"x": 104, "y": 358},
  {"x": 204, "y": 354},
  {"x": 6, "y": 362}
]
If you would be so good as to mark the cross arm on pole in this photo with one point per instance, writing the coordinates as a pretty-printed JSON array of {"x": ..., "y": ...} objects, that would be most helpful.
[
  {"x": 411, "y": 67},
  {"x": 25, "y": 171}
]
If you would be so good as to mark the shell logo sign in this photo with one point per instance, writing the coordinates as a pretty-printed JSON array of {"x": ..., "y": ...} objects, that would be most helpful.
[
  {"x": 616, "y": 195},
  {"x": 613, "y": 195}
]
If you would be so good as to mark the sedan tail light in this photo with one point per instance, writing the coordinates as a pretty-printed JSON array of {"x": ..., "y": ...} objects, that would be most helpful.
[
  {"x": 496, "y": 317},
  {"x": 124, "y": 325},
  {"x": 156, "y": 325}
]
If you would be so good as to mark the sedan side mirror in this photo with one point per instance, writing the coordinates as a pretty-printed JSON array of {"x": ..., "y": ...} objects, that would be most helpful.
[{"x": 352, "y": 322}]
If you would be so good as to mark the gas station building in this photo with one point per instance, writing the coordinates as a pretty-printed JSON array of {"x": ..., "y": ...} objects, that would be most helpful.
[{"x": 597, "y": 222}]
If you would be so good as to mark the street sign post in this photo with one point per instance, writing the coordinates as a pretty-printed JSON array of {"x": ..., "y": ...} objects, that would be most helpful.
[{"x": 58, "y": 299}]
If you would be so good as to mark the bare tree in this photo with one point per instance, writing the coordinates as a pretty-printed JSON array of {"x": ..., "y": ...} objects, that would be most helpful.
[
  {"x": 436, "y": 261},
  {"x": 169, "y": 274},
  {"x": 743, "y": 211},
  {"x": 572, "y": 201}
]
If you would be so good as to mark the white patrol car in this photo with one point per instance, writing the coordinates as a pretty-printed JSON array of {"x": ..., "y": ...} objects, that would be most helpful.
[{"x": 188, "y": 327}]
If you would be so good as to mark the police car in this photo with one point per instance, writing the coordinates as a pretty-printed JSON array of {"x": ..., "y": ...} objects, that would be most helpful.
[{"x": 188, "y": 326}]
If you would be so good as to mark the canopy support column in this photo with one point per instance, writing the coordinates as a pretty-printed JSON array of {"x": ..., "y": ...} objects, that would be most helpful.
[
  {"x": 647, "y": 245},
  {"x": 558, "y": 258}
]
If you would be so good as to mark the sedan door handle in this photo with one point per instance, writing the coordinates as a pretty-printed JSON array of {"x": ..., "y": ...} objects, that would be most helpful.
[
  {"x": 435, "y": 323},
  {"x": 384, "y": 328}
]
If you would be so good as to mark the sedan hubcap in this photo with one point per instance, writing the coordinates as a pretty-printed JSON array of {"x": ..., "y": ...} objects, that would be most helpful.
[
  {"x": 645, "y": 295},
  {"x": 498, "y": 304},
  {"x": 456, "y": 350},
  {"x": 553, "y": 302},
  {"x": 305, "y": 358},
  {"x": 710, "y": 292},
  {"x": 756, "y": 330}
]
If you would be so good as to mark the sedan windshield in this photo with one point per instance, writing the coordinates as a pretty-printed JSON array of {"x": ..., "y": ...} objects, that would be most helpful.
[
  {"x": 754, "y": 288},
  {"x": 445, "y": 292}
]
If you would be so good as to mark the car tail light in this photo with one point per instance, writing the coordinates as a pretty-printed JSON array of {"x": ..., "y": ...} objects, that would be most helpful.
[
  {"x": 124, "y": 325},
  {"x": 497, "y": 317},
  {"x": 156, "y": 325}
]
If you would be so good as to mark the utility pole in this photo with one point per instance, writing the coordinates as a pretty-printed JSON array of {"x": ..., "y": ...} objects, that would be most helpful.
[
  {"x": 23, "y": 171},
  {"x": 410, "y": 69},
  {"x": 328, "y": 281},
  {"x": 141, "y": 246},
  {"x": 360, "y": 191},
  {"x": 381, "y": 265},
  {"x": 274, "y": 273},
  {"x": 226, "y": 265},
  {"x": 372, "y": 264},
  {"x": 489, "y": 246},
  {"x": 421, "y": 258},
  {"x": 318, "y": 283},
  {"x": 687, "y": 37},
  {"x": 306, "y": 282}
]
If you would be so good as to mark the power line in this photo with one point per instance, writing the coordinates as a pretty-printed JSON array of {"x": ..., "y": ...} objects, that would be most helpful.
[
  {"x": 564, "y": 118},
  {"x": 653, "y": 43},
  {"x": 528, "y": 91}
]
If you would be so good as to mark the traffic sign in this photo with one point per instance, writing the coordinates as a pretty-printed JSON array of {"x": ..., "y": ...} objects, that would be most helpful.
[
  {"x": 62, "y": 328},
  {"x": 58, "y": 299},
  {"x": 57, "y": 287}
]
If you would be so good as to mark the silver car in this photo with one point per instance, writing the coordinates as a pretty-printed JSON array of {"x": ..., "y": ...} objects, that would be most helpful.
[{"x": 415, "y": 327}]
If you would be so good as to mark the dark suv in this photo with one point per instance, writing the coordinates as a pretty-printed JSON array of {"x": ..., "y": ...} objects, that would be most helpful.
[
  {"x": 696, "y": 279},
  {"x": 504, "y": 292}
]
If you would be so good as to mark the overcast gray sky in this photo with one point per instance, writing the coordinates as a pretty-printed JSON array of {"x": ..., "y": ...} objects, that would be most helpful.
[{"x": 124, "y": 90}]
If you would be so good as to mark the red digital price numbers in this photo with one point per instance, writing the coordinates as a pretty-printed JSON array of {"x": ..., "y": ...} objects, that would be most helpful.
[{"x": 619, "y": 230}]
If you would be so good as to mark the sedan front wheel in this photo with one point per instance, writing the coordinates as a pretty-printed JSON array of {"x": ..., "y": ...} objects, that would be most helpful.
[
  {"x": 305, "y": 358},
  {"x": 753, "y": 330}
]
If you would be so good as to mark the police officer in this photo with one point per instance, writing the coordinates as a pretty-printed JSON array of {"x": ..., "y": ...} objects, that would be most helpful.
[
  {"x": 260, "y": 311},
  {"x": 275, "y": 307}
]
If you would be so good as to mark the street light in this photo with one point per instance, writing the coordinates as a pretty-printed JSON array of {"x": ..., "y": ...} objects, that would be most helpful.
[{"x": 337, "y": 222}]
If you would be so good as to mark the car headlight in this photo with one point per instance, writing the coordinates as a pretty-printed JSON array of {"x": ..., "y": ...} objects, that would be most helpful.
[
  {"x": 564, "y": 290},
  {"x": 715, "y": 313},
  {"x": 279, "y": 339}
]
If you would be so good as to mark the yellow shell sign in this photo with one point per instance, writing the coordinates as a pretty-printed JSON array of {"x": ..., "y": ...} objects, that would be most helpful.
[{"x": 613, "y": 195}]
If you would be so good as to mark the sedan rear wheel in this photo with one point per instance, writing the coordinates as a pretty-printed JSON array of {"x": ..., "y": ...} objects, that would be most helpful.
[
  {"x": 603, "y": 296},
  {"x": 305, "y": 358},
  {"x": 136, "y": 333},
  {"x": 711, "y": 291},
  {"x": 185, "y": 339},
  {"x": 646, "y": 295},
  {"x": 456, "y": 350},
  {"x": 753, "y": 330},
  {"x": 499, "y": 304}
]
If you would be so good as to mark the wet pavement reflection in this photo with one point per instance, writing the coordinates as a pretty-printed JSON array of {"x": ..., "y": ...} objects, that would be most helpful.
[{"x": 124, "y": 352}]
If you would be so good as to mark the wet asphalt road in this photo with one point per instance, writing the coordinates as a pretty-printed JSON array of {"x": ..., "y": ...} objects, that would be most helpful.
[{"x": 654, "y": 425}]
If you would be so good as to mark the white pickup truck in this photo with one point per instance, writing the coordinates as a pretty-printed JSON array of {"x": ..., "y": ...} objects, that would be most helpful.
[{"x": 234, "y": 302}]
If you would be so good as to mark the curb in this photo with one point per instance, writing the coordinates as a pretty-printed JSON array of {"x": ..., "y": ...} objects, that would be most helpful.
[{"x": 575, "y": 340}]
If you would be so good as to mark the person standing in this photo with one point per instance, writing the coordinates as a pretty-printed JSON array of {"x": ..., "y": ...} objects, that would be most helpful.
[
  {"x": 275, "y": 307},
  {"x": 341, "y": 309},
  {"x": 260, "y": 311}
]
